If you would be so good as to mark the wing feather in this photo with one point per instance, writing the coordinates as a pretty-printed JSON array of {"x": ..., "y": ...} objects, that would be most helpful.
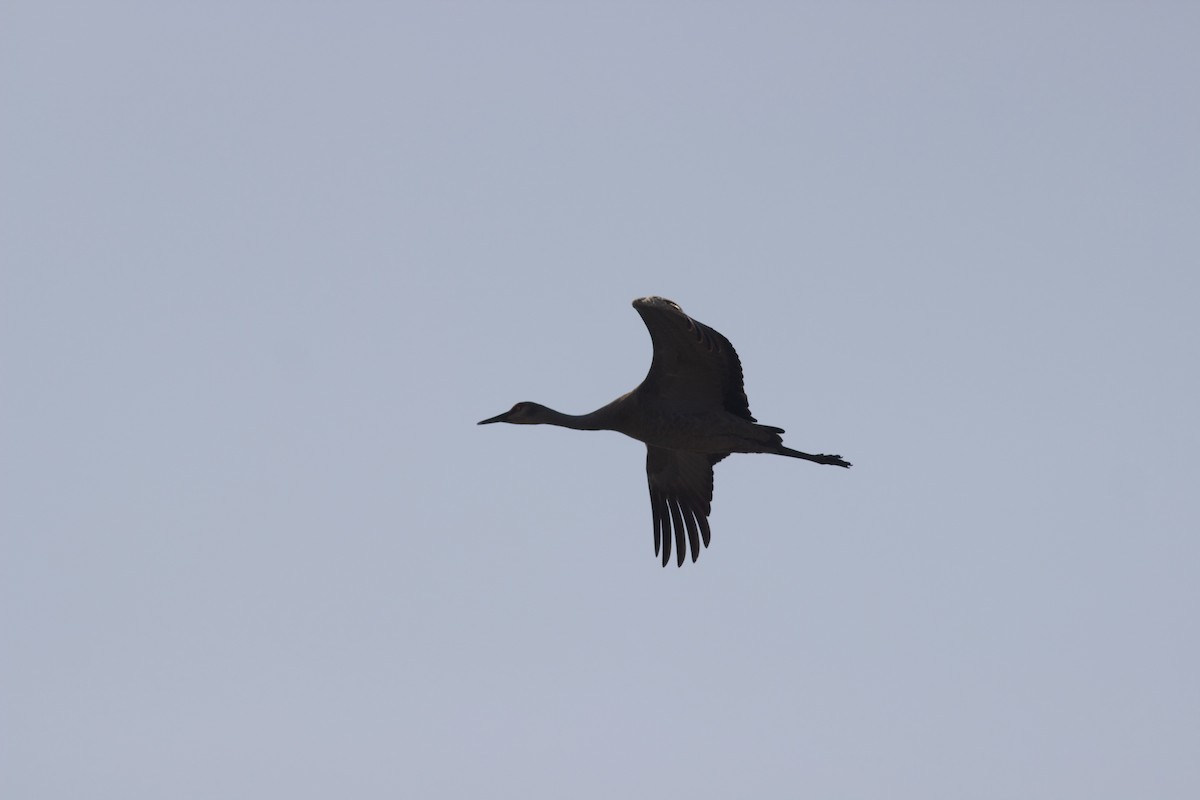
[
  {"x": 694, "y": 368},
  {"x": 680, "y": 501}
]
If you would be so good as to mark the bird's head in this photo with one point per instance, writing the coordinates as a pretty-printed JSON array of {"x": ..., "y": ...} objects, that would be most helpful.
[{"x": 521, "y": 414}]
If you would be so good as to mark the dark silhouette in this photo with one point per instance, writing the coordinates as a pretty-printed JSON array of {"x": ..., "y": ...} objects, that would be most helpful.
[{"x": 691, "y": 411}]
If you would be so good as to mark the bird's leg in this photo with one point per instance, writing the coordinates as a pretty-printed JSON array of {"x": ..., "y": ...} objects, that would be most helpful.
[
  {"x": 820, "y": 458},
  {"x": 833, "y": 461}
]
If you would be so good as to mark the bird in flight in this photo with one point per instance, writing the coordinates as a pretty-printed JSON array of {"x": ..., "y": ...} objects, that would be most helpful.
[{"x": 691, "y": 411}]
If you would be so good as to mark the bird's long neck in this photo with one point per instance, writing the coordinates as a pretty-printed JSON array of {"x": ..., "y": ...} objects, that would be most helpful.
[{"x": 602, "y": 419}]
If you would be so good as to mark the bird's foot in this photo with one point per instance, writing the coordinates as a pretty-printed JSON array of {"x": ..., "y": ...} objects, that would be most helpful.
[{"x": 833, "y": 461}]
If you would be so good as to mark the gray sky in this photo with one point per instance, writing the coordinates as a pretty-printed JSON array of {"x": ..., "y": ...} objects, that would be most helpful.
[{"x": 264, "y": 265}]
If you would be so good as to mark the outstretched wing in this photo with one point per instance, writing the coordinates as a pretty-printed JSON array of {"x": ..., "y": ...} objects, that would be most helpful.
[
  {"x": 681, "y": 486},
  {"x": 694, "y": 368}
]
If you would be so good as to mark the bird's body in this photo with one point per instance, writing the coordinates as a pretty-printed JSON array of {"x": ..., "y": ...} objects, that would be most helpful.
[{"x": 691, "y": 411}]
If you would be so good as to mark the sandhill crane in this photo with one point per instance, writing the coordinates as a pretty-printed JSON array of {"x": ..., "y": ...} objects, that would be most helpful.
[{"x": 691, "y": 411}]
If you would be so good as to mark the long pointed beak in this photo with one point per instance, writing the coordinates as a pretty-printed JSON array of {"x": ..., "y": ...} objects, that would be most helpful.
[{"x": 498, "y": 418}]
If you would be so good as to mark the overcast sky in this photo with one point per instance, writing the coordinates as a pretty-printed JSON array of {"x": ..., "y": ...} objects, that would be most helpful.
[{"x": 264, "y": 265}]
